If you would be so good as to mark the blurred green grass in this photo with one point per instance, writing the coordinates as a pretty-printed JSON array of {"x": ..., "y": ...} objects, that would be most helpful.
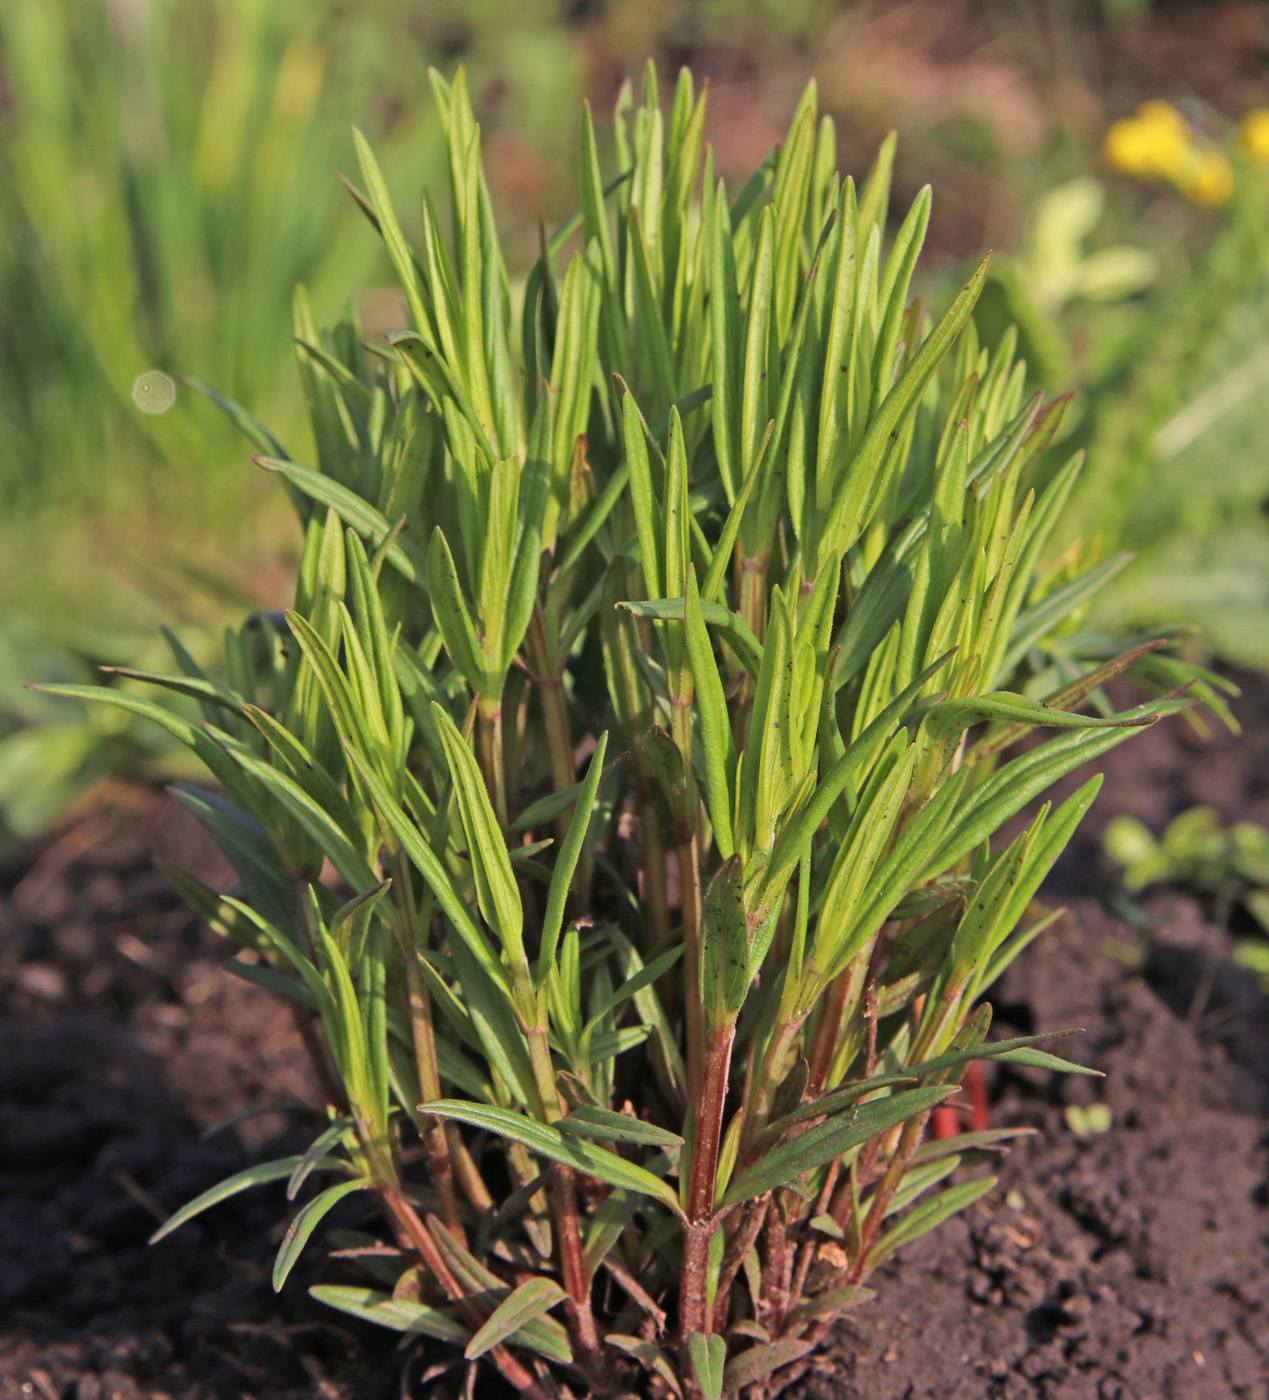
[{"x": 166, "y": 179}]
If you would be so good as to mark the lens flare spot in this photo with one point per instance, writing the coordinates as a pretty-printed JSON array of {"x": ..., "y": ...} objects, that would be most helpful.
[{"x": 154, "y": 391}]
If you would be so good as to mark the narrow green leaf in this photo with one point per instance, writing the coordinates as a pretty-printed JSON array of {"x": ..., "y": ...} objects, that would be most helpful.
[
  {"x": 863, "y": 483},
  {"x": 608, "y": 1126},
  {"x": 725, "y": 340},
  {"x": 642, "y": 494},
  {"x": 255, "y": 432},
  {"x": 302, "y": 1227},
  {"x": 737, "y": 631},
  {"x": 398, "y": 250},
  {"x": 923, "y": 1218},
  {"x": 650, "y": 1356},
  {"x": 494, "y": 1021},
  {"x": 720, "y": 748},
  {"x": 402, "y": 553},
  {"x": 599, "y": 512},
  {"x": 727, "y": 935},
  {"x": 178, "y": 728},
  {"x": 633, "y": 985},
  {"x": 496, "y": 889},
  {"x": 317, "y": 823},
  {"x": 833, "y": 1103},
  {"x": 1035, "y": 622},
  {"x": 317, "y": 1150},
  {"x": 721, "y": 560},
  {"x": 830, "y": 1139},
  {"x": 359, "y": 904},
  {"x": 241, "y": 1181},
  {"x": 441, "y": 384},
  {"x": 1040, "y": 1059},
  {"x": 399, "y": 1314},
  {"x": 320, "y": 784},
  {"x": 532, "y": 1299},
  {"x": 453, "y": 617},
  {"x": 351, "y": 720},
  {"x": 261, "y": 975},
  {"x": 549, "y": 1142},
  {"x": 203, "y": 690},
  {"x": 795, "y": 838},
  {"x": 431, "y": 868},
  {"x": 1014, "y": 784},
  {"x": 566, "y": 863},
  {"x": 829, "y": 1304},
  {"x": 989, "y": 1050},
  {"x": 208, "y": 905},
  {"x": 547, "y": 808},
  {"x": 989, "y": 1138},
  {"x": 757, "y": 1363}
]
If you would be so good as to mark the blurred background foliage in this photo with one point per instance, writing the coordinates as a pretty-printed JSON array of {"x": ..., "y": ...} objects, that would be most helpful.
[{"x": 167, "y": 176}]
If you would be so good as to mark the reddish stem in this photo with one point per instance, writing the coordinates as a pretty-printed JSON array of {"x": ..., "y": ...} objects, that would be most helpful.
[
  {"x": 694, "y": 1312},
  {"x": 944, "y": 1122},
  {"x": 746, "y": 1236},
  {"x": 946, "y": 1119},
  {"x": 573, "y": 1264},
  {"x": 975, "y": 1086},
  {"x": 824, "y": 1046},
  {"x": 412, "y": 1231},
  {"x": 913, "y": 1131}
]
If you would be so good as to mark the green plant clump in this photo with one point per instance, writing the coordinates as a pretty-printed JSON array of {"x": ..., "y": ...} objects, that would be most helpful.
[{"x": 616, "y": 805}]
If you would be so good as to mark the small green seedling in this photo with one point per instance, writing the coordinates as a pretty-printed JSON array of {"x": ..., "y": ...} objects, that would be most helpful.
[
  {"x": 1086, "y": 1120},
  {"x": 1226, "y": 866}
]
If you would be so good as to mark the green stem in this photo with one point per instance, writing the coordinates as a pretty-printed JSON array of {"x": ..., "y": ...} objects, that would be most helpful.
[
  {"x": 306, "y": 1024},
  {"x": 432, "y": 1130},
  {"x": 688, "y": 847},
  {"x": 768, "y": 1076},
  {"x": 549, "y": 679},
  {"x": 656, "y": 901},
  {"x": 489, "y": 753},
  {"x": 307, "y": 1021},
  {"x": 681, "y": 733},
  {"x": 751, "y": 589},
  {"x": 548, "y": 676},
  {"x": 466, "y": 1173},
  {"x": 827, "y": 1038},
  {"x": 753, "y": 594}
]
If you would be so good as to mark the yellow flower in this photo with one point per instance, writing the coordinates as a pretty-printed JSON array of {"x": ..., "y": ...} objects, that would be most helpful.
[
  {"x": 1163, "y": 116},
  {"x": 1254, "y": 132},
  {"x": 1126, "y": 148},
  {"x": 1169, "y": 137},
  {"x": 1155, "y": 144},
  {"x": 1208, "y": 179}
]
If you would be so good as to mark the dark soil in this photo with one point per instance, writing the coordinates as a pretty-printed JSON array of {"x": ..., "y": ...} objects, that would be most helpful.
[
  {"x": 1131, "y": 1264},
  {"x": 121, "y": 1041}
]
